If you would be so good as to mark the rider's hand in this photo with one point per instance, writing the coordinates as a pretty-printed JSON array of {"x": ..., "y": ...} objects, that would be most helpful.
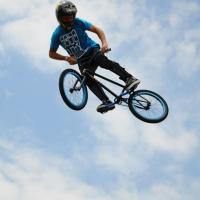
[
  {"x": 104, "y": 48},
  {"x": 71, "y": 60}
]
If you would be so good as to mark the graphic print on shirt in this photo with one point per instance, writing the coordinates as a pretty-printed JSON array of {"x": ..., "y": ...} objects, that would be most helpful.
[{"x": 71, "y": 43}]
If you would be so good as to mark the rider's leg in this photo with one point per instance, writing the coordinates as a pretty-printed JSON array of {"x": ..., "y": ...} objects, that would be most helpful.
[
  {"x": 93, "y": 85},
  {"x": 104, "y": 62},
  {"x": 98, "y": 91}
]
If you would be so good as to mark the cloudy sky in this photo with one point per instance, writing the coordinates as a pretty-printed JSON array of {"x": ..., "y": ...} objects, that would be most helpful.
[{"x": 50, "y": 152}]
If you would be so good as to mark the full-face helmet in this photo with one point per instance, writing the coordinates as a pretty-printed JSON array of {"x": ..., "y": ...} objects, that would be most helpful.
[{"x": 64, "y": 10}]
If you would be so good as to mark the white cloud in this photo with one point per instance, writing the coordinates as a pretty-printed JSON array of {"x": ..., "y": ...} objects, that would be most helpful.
[
  {"x": 186, "y": 8},
  {"x": 179, "y": 143},
  {"x": 28, "y": 171},
  {"x": 187, "y": 58},
  {"x": 159, "y": 192},
  {"x": 4, "y": 60},
  {"x": 30, "y": 35},
  {"x": 19, "y": 8},
  {"x": 1, "y": 49},
  {"x": 175, "y": 190},
  {"x": 175, "y": 20},
  {"x": 126, "y": 146},
  {"x": 6, "y": 93},
  {"x": 183, "y": 19}
]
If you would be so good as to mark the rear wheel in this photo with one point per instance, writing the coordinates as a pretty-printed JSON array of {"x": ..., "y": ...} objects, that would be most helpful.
[
  {"x": 148, "y": 106},
  {"x": 72, "y": 94}
]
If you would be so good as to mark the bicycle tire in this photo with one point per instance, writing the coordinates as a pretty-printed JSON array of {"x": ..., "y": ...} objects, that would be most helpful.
[
  {"x": 144, "y": 104},
  {"x": 76, "y": 100}
]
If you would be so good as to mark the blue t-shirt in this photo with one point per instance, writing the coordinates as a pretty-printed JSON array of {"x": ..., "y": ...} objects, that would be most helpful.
[{"x": 76, "y": 41}]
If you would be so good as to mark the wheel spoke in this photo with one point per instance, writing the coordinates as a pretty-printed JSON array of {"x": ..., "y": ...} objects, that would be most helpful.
[{"x": 76, "y": 96}]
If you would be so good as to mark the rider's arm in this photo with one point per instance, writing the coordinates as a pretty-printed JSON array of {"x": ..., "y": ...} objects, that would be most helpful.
[
  {"x": 53, "y": 50},
  {"x": 54, "y": 55},
  {"x": 100, "y": 33}
]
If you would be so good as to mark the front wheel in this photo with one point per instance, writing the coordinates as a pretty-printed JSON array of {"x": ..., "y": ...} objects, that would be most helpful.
[
  {"x": 73, "y": 93},
  {"x": 148, "y": 106}
]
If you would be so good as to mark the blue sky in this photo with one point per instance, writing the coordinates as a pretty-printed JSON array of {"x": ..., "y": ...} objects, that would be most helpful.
[{"x": 50, "y": 151}]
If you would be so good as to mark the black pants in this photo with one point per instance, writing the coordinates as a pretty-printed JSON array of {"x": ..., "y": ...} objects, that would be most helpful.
[{"x": 91, "y": 61}]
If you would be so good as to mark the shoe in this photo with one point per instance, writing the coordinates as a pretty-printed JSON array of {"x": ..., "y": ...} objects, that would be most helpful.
[
  {"x": 132, "y": 83},
  {"x": 105, "y": 106}
]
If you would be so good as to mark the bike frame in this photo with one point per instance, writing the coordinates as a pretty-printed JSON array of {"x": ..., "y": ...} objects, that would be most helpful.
[
  {"x": 118, "y": 98},
  {"x": 142, "y": 104}
]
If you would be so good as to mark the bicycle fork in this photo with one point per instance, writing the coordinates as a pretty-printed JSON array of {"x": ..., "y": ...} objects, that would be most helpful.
[{"x": 78, "y": 88}]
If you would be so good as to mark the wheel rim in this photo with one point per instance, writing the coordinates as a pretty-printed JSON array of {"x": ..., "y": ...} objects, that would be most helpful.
[
  {"x": 149, "y": 106},
  {"x": 75, "y": 97}
]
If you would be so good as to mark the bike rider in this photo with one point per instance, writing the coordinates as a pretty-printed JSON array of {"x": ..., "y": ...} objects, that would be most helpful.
[{"x": 71, "y": 35}]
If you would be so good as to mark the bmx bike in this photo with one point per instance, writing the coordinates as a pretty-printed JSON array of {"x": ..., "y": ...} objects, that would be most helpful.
[{"x": 146, "y": 105}]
